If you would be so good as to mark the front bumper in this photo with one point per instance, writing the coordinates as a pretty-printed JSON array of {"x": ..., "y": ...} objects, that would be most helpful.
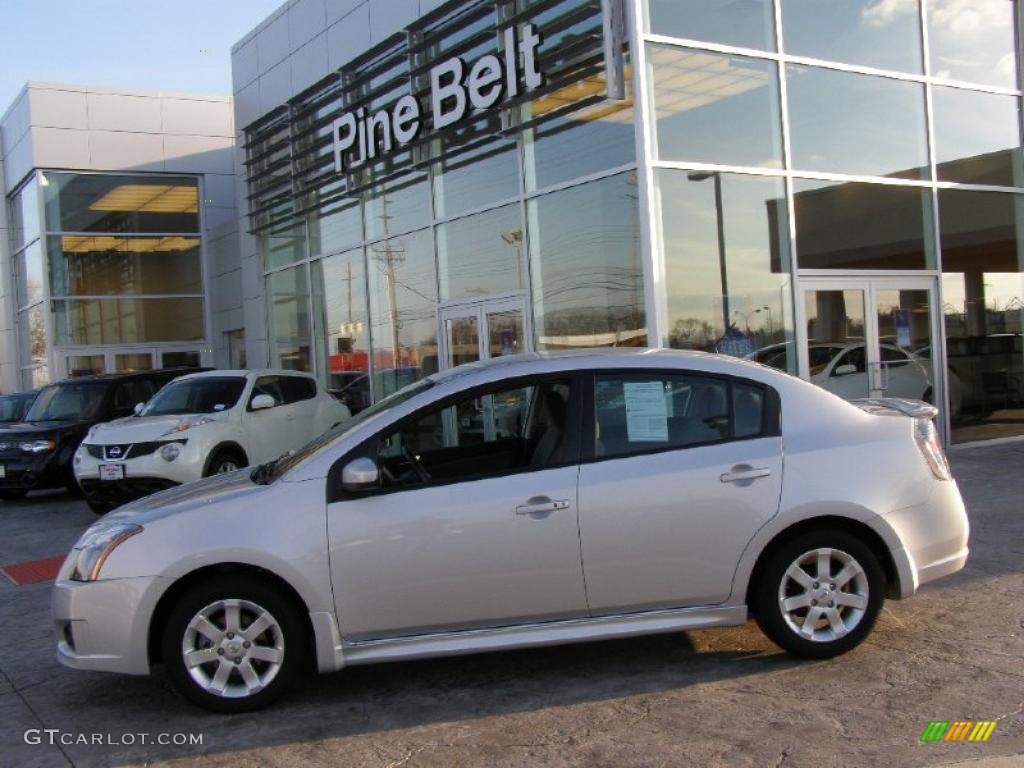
[
  {"x": 933, "y": 536},
  {"x": 118, "y": 492},
  {"x": 104, "y": 625},
  {"x": 143, "y": 475},
  {"x": 33, "y": 471}
]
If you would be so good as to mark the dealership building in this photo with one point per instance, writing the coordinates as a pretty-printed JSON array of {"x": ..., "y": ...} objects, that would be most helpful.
[{"x": 831, "y": 187}]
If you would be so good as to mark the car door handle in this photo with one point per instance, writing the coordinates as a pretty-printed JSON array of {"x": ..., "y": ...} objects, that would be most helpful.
[
  {"x": 541, "y": 506},
  {"x": 745, "y": 473}
]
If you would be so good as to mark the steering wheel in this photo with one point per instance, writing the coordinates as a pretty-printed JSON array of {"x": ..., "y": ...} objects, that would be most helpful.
[{"x": 416, "y": 465}]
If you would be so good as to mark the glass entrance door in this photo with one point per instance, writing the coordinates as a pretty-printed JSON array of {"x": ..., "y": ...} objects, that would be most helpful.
[
  {"x": 872, "y": 338},
  {"x": 482, "y": 329}
]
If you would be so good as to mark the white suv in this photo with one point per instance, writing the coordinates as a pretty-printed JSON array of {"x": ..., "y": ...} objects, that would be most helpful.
[{"x": 201, "y": 425}]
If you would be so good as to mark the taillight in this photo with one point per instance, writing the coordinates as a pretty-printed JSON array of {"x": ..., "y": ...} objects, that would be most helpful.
[{"x": 927, "y": 438}]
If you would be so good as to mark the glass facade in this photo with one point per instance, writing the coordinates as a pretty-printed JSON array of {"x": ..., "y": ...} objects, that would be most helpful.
[
  {"x": 783, "y": 142},
  {"x": 858, "y": 143},
  {"x": 535, "y": 199},
  {"x": 105, "y": 260}
]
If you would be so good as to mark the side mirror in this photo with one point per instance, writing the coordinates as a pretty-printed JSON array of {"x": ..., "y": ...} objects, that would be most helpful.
[
  {"x": 138, "y": 408},
  {"x": 844, "y": 370},
  {"x": 360, "y": 474},
  {"x": 262, "y": 402}
]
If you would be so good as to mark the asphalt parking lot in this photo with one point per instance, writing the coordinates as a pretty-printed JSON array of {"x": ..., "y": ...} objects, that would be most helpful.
[{"x": 954, "y": 652}]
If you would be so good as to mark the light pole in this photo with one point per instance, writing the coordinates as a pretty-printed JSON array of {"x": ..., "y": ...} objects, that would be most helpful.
[{"x": 720, "y": 220}]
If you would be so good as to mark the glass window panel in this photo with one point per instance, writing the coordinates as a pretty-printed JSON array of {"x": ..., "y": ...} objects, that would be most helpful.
[
  {"x": 32, "y": 332},
  {"x": 283, "y": 247},
  {"x": 842, "y": 122},
  {"x": 481, "y": 254},
  {"x": 25, "y": 215},
  {"x": 726, "y": 235},
  {"x": 335, "y": 229},
  {"x": 103, "y": 202},
  {"x": 34, "y": 378},
  {"x": 850, "y": 225},
  {"x": 89, "y": 265},
  {"x": 977, "y": 137},
  {"x": 343, "y": 326},
  {"x": 885, "y": 34},
  {"x": 974, "y": 40},
  {"x": 588, "y": 288},
  {"x": 472, "y": 178},
  {"x": 746, "y": 24},
  {"x": 235, "y": 342},
  {"x": 584, "y": 142},
  {"x": 403, "y": 310},
  {"x": 715, "y": 108},
  {"x": 127, "y": 321},
  {"x": 86, "y": 365},
  {"x": 399, "y": 206},
  {"x": 288, "y": 308},
  {"x": 189, "y": 359},
  {"x": 127, "y": 362},
  {"x": 29, "y": 268},
  {"x": 983, "y": 305}
]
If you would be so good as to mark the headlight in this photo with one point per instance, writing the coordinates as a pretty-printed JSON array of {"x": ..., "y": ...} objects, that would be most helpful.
[
  {"x": 184, "y": 426},
  {"x": 170, "y": 452},
  {"x": 96, "y": 546},
  {"x": 37, "y": 446}
]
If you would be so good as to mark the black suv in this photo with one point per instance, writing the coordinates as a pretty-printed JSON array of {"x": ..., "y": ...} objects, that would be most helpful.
[{"x": 39, "y": 452}]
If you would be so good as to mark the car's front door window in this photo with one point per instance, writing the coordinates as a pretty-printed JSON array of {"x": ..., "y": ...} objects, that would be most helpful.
[{"x": 495, "y": 432}]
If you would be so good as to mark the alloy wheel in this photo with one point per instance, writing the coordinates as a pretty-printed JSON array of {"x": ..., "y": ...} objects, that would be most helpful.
[
  {"x": 233, "y": 648},
  {"x": 823, "y": 595}
]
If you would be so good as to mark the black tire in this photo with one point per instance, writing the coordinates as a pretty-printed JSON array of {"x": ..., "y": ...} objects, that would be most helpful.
[
  {"x": 780, "y": 628},
  {"x": 13, "y": 494},
  {"x": 222, "y": 459},
  {"x": 266, "y": 596},
  {"x": 99, "y": 507},
  {"x": 73, "y": 488}
]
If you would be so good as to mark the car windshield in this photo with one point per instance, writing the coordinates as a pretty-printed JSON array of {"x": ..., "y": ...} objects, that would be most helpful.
[
  {"x": 208, "y": 394},
  {"x": 267, "y": 473},
  {"x": 67, "y": 401},
  {"x": 11, "y": 406}
]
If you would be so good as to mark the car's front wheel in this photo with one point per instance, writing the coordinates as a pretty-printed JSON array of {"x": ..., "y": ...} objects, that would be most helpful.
[
  {"x": 223, "y": 461},
  {"x": 233, "y": 644},
  {"x": 819, "y": 594}
]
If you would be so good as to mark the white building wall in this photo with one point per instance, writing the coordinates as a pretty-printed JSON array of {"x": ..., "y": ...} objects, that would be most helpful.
[
  {"x": 8, "y": 338},
  {"x": 85, "y": 128},
  {"x": 300, "y": 43}
]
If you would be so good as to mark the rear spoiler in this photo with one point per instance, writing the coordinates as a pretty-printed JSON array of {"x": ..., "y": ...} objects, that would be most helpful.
[{"x": 915, "y": 409}]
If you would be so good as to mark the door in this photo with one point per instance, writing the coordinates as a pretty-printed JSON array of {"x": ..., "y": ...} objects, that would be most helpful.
[
  {"x": 300, "y": 394},
  {"x": 477, "y": 528},
  {"x": 270, "y": 431},
  {"x": 871, "y": 337},
  {"x": 483, "y": 329},
  {"x": 685, "y": 469}
]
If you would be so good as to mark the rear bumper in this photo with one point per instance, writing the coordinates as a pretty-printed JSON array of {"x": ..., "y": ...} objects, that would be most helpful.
[
  {"x": 934, "y": 538},
  {"x": 104, "y": 625},
  {"x": 118, "y": 492}
]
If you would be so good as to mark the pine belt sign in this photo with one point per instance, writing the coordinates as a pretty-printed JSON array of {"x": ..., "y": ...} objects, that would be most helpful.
[{"x": 455, "y": 87}]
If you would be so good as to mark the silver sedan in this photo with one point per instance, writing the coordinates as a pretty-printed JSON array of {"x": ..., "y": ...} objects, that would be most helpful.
[{"x": 527, "y": 501}]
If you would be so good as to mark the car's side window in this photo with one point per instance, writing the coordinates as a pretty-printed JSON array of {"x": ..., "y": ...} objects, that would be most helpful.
[
  {"x": 268, "y": 385},
  {"x": 297, "y": 388},
  {"x": 128, "y": 393},
  {"x": 507, "y": 430},
  {"x": 893, "y": 357},
  {"x": 640, "y": 413},
  {"x": 854, "y": 357}
]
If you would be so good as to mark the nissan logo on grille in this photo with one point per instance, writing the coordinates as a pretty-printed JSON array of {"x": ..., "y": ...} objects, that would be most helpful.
[{"x": 116, "y": 451}]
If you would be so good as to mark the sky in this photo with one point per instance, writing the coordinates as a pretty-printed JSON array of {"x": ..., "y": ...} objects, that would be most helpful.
[{"x": 151, "y": 44}]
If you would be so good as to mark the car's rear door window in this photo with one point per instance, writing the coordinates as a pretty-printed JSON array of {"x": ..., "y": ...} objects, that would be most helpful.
[
  {"x": 297, "y": 388},
  {"x": 641, "y": 413}
]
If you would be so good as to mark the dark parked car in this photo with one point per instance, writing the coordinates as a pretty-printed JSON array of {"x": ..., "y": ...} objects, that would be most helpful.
[
  {"x": 14, "y": 407},
  {"x": 37, "y": 453}
]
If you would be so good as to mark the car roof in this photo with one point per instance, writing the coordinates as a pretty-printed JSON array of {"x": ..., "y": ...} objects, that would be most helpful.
[
  {"x": 109, "y": 377},
  {"x": 246, "y": 373}
]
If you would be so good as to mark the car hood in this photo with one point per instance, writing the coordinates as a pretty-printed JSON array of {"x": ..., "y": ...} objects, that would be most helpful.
[
  {"x": 28, "y": 429},
  {"x": 184, "y": 498},
  {"x": 140, "y": 429}
]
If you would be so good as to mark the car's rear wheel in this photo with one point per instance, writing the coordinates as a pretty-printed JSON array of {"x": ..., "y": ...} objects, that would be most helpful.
[
  {"x": 224, "y": 460},
  {"x": 819, "y": 594},
  {"x": 234, "y": 644},
  {"x": 12, "y": 494}
]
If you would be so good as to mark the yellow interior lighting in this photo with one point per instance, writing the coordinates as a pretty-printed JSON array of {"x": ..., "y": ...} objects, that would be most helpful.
[
  {"x": 686, "y": 80},
  {"x": 607, "y": 111},
  {"x": 149, "y": 198},
  {"x": 107, "y": 244}
]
